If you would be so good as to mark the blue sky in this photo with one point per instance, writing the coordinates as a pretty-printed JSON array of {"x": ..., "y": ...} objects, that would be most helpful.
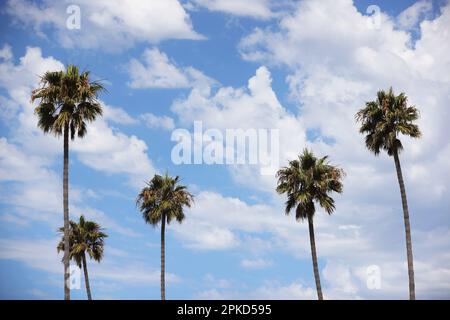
[{"x": 302, "y": 67}]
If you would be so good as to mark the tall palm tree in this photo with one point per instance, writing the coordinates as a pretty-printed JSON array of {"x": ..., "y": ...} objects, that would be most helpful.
[
  {"x": 308, "y": 181},
  {"x": 162, "y": 200},
  {"x": 67, "y": 100},
  {"x": 84, "y": 236},
  {"x": 382, "y": 121}
]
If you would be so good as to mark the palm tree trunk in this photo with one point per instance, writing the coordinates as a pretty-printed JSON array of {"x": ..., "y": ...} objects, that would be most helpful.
[
  {"x": 409, "y": 252},
  {"x": 86, "y": 277},
  {"x": 66, "y": 213},
  {"x": 314, "y": 258},
  {"x": 163, "y": 261}
]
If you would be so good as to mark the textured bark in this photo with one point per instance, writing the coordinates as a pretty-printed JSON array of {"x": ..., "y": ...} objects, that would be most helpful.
[
  {"x": 66, "y": 213},
  {"x": 409, "y": 251},
  {"x": 314, "y": 258},
  {"x": 163, "y": 261},
  {"x": 86, "y": 278}
]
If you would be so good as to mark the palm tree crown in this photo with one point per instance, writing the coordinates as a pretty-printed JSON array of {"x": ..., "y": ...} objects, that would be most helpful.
[
  {"x": 85, "y": 237},
  {"x": 67, "y": 99},
  {"x": 308, "y": 180},
  {"x": 163, "y": 197},
  {"x": 383, "y": 119}
]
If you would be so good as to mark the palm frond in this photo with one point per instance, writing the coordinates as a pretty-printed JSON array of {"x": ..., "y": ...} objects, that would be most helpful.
[
  {"x": 308, "y": 180},
  {"x": 67, "y": 99},
  {"x": 163, "y": 196},
  {"x": 385, "y": 119}
]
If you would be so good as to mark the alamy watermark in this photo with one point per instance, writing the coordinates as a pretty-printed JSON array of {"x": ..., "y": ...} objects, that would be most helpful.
[
  {"x": 230, "y": 146},
  {"x": 374, "y": 19},
  {"x": 373, "y": 277},
  {"x": 73, "y": 21},
  {"x": 74, "y": 281}
]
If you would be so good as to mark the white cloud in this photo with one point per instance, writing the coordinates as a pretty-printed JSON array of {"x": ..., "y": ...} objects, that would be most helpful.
[
  {"x": 109, "y": 150},
  {"x": 343, "y": 66},
  {"x": 253, "y": 107},
  {"x": 103, "y": 148},
  {"x": 347, "y": 250},
  {"x": 157, "y": 71},
  {"x": 260, "y": 9},
  {"x": 341, "y": 283},
  {"x": 34, "y": 186},
  {"x": 37, "y": 253},
  {"x": 36, "y": 192},
  {"x": 410, "y": 17},
  {"x": 292, "y": 291},
  {"x": 104, "y": 24},
  {"x": 211, "y": 280},
  {"x": 117, "y": 115},
  {"x": 16, "y": 166},
  {"x": 41, "y": 254},
  {"x": 157, "y": 122},
  {"x": 105, "y": 220},
  {"x": 258, "y": 263},
  {"x": 270, "y": 290},
  {"x": 6, "y": 53},
  {"x": 214, "y": 220}
]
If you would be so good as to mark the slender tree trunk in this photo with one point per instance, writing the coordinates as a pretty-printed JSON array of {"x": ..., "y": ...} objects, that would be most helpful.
[
  {"x": 86, "y": 278},
  {"x": 409, "y": 251},
  {"x": 163, "y": 261},
  {"x": 314, "y": 258},
  {"x": 66, "y": 213}
]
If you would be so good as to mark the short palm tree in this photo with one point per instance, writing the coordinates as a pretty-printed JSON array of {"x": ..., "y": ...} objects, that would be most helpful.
[
  {"x": 67, "y": 100},
  {"x": 84, "y": 237},
  {"x": 382, "y": 121},
  {"x": 308, "y": 181},
  {"x": 161, "y": 201}
]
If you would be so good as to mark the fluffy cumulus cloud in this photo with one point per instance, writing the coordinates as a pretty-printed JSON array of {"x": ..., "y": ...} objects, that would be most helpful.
[
  {"x": 155, "y": 70},
  {"x": 260, "y": 9},
  {"x": 215, "y": 222},
  {"x": 410, "y": 17},
  {"x": 269, "y": 290},
  {"x": 336, "y": 61},
  {"x": 157, "y": 122},
  {"x": 253, "y": 107},
  {"x": 109, "y": 25},
  {"x": 109, "y": 150},
  {"x": 337, "y": 66}
]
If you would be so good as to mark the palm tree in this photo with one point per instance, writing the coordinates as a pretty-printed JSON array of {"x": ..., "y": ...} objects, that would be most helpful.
[
  {"x": 67, "y": 100},
  {"x": 84, "y": 236},
  {"x": 382, "y": 121},
  {"x": 306, "y": 181},
  {"x": 162, "y": 200}
]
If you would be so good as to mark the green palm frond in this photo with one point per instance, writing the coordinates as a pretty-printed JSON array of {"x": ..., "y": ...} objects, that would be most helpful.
[
  {"x": 384, "y": 119},
  {"x": 67, "y": 99},
  {"x": 163, "y": 195},
  {"x": 309, "y": 180},
  {"x": 84, "y": 237}
]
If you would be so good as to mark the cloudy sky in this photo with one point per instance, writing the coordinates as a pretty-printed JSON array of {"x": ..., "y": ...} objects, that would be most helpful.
[{"x": 303, "y": 67}]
